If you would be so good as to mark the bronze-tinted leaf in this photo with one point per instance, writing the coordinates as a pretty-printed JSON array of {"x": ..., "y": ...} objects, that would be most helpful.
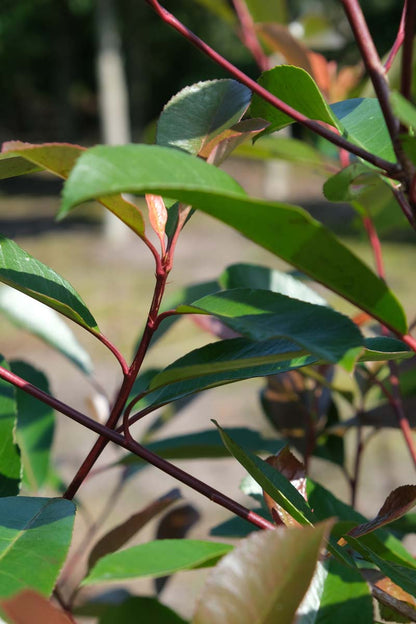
[
  {"x": 158, "y": 215},
  {"x": 398, "y": 502},
  {"x": 290, "y": 467},
  {"x": 28, "y": 607}
]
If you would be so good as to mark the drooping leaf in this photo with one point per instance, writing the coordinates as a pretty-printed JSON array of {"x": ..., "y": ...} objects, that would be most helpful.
[
  {"x": 197, "y": 114},
  {"x": 261, "y": 315},
  {"x": 120, "y": 535},
  {"x": 155, "y": 559},
  {"x": 403, "y": 109},
  {"x": 286, "y": 231},
  {"x": 224, "y": 362},
  {"x": 35, "y": 534},
  {"x": 23, "y": 272},
  {"x": 273, "y": 482},
  {"x": 10, "y": 466},
  {"x": 291, "y": 468},
  {"x": 295, "y": 87},
  {"x": 264, "y": 278},
  {"x": 362, "y": 122},
  {"x": 398, "y": 502},
  {"x": 59, "y": 159},
  {"x": 35, "y": 427},
  {"x": 29, "y": 606},
  {"x": 40, "y": 320},
  {"x": 264, "y": 579}
]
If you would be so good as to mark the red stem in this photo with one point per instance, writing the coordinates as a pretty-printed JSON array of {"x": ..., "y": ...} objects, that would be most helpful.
[
  {"x": 114, "y": 351},
  {"x": 392, "y": 169},
  {"x": 398, "y": 41},
  {"x": 129, "y": 379},
  {"x": 140, "y": 451},
  {"x": 249, "y": 36},
  {"x": 407, "y": 55},
  {"x": 375, "y": 245}
]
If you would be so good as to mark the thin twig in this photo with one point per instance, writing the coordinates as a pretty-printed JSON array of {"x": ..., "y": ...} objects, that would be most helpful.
[
  {"x": 398, "y": 41},
  {"x": 407, "y": 54},
  {"x": 249, "y": 35},
  {"x": 394, "y": 170}
]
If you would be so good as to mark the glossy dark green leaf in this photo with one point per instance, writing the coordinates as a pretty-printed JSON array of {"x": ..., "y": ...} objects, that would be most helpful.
[
  {"x": 197, "y": 114},
  {"x": 224, "y": 362},
  {"x": 346, "y": 598},
  {"x": 295, "y": 87},
  {"x": 382, "y": 348},
  {"x": 140, "y": 609},
  {"x": 35, "y": 534},
  {"x": 155, "y": 559},
  {"x": 261, "y": 315},
  {"x": 363, "y": 123},
  {"x": 58, "y": 158},
  {"x": 264, "y": 278},
  {"x": 205, "y": 445},
  {"x": 287, "y": 231},
  {"x": 23, "y": 272},
  {"x": 264, "y": 579},
  {"x": 43, "y": 322},
  {"x": 10, "y": 466},
  {"x": 35, "y": 427},
  {"x": 351, "y": 182}
]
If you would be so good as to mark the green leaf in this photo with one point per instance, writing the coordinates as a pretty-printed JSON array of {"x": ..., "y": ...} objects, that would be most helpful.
[
  {"x": 205, "y": 445},
  {"x": 10, "y": 468},
  {"x": 362, "y": 122},
  {"x": 155, "y": 559},
  {"x": 264, "y": 278},
  {"x": 35, "y": 427},
  {"x": 200, "y": 112},
  {"x": 59, "y": 159},
  {"x": 223, "y": 362},
  {"x": 266, "y": 11},
  {"x": 264, "y": 579},
  {"x": 23, "y": 272},
  {"x": 295, "y": 87},
  {"x": 345, "y": 598},
  {"x": 35, "y": 317},
  {"x": 272, "y": 481},
  {"x": 383, "y": 348},
  {"x": 261, "y": 315},
  {"x": 140, "y": 608},
  {"x": 35, "y": 534},
  {"x": 287, "y": 231},
  {"x": 403, "y": 109},
  {"x": 338, "y": 188}
]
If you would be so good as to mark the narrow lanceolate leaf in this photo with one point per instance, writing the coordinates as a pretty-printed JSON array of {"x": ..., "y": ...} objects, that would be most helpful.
[
  {"x": 155, "y": 559},
  {"x": 256, "y": 276},
  {"x": 35, "y": 427},
  {"x": 224, "y": 362},
  {"x": 398, "y": 502},
  {"x": 383, "y": 348},
  {"x": 29, "y": 606},
  {"x": 261, "y": 314},
  {"x": 40, "y": 320},
  {"x": 120, "y": 535},
  {"x": 291, "y": 468},
  {"x": 362, "y": 122},
  {"x": 59, "y": 159},
  {"x": 295, "y": 87},
  {"x": 273, "y": 482},
  {"x": 10, "y": 468},
  {"x": 264, "y": 579},
  {"x": 199, "y": 113},
  {"x": 23, "y": 272},
  {"x": 158, "y": 215},
  {"x": 287, "y": 231},
  {"x": 35, "y": 534}
]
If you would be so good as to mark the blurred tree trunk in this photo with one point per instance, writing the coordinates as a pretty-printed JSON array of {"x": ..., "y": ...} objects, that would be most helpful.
[{"x": 112, "y": 93}]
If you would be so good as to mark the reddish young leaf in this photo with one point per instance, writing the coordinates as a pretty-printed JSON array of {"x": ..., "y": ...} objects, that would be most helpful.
[
  {"x": 158, "y": 216},
  {"x": 28, "y": 607},
  {"x": 220, "y": 147},
  {"x": 390, "y": 595},
  {"x": 398, "y": 502},
  {"x": 117, "y": 537},
  {"x": 291, "y": 468}
]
